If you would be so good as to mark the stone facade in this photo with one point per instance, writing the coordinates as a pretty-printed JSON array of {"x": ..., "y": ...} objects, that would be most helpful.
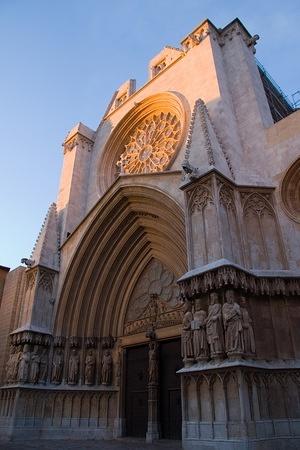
[{"x": 177, "y": 218}]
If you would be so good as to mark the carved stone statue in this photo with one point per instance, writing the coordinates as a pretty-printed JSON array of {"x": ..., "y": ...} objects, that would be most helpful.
[
  {"x": 24, "y": 364},
  {"x": 107, "y": 365},
  {"x": 214, "y": 327},
  {"x": 153, "y": 363},
  {"x": 35, "y": 365},
  {"x": 57, "y": 366},
  {"x": 248, "y": 335},
  {"x": 15, "y": 365},
  {"x": 89, "y": 370},
  {"x": 187, "y": 351},
  {"x": 43, "y": 366},
  {"x": 73, "y": 372},
  {"x": 10, "y": 365},
  {"x": 118, "y": 368},
  {"x": 232, "y": 317},
  {"x": 199, "y": 337}
]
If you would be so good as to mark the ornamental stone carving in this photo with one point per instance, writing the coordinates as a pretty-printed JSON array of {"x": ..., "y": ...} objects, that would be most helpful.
[
  {"x": 152, "y": 144},
  {"x": 154, "y": 300},
  {"x": 201, "y": 197}
]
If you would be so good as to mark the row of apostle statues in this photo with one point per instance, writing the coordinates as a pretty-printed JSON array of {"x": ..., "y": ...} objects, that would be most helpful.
[
  {"x": 221, "y": 330},
  {"x": 27, "y": 365}
]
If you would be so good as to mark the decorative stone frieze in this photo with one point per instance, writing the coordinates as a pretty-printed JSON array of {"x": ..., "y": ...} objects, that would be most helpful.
[{"x": 229, "y": 275}]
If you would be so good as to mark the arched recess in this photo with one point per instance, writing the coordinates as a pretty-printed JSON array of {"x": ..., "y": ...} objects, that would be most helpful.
[
  {"x": 290, "y": 191},
  {"x": 264, "y": 244},
  {"x": 132, "y": 225},
  {"x": 162, "y": 103}
]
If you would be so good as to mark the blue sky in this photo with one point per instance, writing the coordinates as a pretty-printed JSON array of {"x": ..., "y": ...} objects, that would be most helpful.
[{"x": 61, "y": 61}]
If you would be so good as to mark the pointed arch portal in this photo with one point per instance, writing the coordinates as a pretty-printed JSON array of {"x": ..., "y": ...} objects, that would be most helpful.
[{"x": 133, "y": 226}]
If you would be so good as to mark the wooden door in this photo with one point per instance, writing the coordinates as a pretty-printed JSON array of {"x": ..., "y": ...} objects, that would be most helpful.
[
  {"x": 170, "y": 392},
  {"x": 136, "y": 398}
]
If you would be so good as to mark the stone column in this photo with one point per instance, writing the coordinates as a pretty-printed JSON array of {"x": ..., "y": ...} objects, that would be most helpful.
[{"x": 153, "y": 385}]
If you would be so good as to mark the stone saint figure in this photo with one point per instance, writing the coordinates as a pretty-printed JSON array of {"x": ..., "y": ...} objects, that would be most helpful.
[
  {"x": 248, "y": 335},
  {"x": 214, "y": 327},
  {"x": 187, "y": 351},
  {"x": 199, "y": 337},
  {"x": 107, "y": 364},
  {"x": 15, "y": 365},
  {"x": 232, "y": 318},
  {"x": 24, "y": 364},
  {"x": 89, "y": 370},
  {"x": 57, "y": 366},
  {"x": 73, "y": 367},
  {"x": 12, "y": 365},
  {"x": 35, "y": 365},
  {"x": 118, "y": 368},
  {"x": 43, "y": 366},
  {"x": 153, "y": 363}
]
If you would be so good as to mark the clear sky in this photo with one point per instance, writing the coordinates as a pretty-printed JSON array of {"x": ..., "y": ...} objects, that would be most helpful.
[{"x": 61, "y": 61}]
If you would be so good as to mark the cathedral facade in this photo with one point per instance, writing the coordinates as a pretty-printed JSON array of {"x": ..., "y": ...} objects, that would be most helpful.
[{"x": 162, "y": 297}]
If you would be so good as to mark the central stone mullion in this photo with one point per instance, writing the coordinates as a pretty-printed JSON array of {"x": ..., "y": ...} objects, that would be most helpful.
[{"x": 153, "y": 393}]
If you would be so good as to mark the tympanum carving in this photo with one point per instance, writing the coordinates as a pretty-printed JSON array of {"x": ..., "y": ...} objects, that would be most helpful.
[{"x": 154, "y": 301}]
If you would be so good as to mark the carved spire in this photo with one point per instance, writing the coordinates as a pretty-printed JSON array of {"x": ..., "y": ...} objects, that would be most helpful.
[
  {"x": 46, "y": 249},
  {"x": 204, "y": 150}
]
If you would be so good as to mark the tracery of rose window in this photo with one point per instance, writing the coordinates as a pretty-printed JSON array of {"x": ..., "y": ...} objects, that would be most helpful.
[{"x": 152, "y": 144}]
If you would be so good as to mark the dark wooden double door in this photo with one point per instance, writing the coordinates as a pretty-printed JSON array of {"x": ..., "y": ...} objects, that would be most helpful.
[{"x": 136, "y": 398}]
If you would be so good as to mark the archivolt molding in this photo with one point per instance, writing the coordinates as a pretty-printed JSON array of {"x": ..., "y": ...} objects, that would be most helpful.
[
  {"x": 133, "y": 226},
  {"x": 290, "y": 191},
  {"x": 138, "y": 135}
]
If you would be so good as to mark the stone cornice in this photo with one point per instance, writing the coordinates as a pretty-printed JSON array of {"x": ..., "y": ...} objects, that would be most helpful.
[
  {"x": 225, "y": 274},
  {"x": 276, "y": 364},
  {"x": 78, "y": 140}
]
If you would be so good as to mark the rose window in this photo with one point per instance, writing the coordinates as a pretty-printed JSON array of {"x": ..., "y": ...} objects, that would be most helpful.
[{"x": 152, "y": 144}]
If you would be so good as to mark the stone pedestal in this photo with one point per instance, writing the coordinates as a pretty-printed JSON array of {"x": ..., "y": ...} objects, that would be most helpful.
[{"x": 241, "y": 405}]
